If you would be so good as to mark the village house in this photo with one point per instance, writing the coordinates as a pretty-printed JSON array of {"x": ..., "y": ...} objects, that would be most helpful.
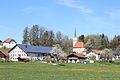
[
  {"x": 33, "y": 53},
  {"x": 93, "y": 52},
  {"x": 76, "y": 58},
  {"x": 9, "y": 43}
]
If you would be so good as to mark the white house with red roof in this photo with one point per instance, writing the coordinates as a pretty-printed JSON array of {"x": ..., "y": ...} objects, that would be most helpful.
[
  {"x": 78, "y": 47},
  {"x": 9, "y": 43},
  {"x": 93, "y": 52}
]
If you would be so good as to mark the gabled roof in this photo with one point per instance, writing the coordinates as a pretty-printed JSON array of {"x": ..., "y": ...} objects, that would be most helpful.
[
  {"x": 34, "y": 49},
  {"x": 78, "y": 55},
  {"x": 9, "y": 40},
  {"x": 94, "y": 50},
  {"x": 4, "y": 52},
  {"x": 79, "y": 45},
  {"x": 97, "y": 51}
]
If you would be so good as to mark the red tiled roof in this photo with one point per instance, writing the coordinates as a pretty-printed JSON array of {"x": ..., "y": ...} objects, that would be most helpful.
[
  {"x": 97, "y": 51},
  {"x": 79, "y": 45},
  {"x": 5, "y": 52},
  {"x": 85, "y": 50},
  {"x": 24, "y": 58},
  {"x": 80, "y": 55},
  {"x": 8, "y": 40}
]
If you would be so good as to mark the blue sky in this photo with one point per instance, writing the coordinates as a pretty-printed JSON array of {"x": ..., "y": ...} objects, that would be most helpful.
[{"x": 89, "y": 16}]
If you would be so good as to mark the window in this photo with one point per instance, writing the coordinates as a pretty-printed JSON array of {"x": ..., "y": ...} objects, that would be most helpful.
[{"x": 19, "y": 55}]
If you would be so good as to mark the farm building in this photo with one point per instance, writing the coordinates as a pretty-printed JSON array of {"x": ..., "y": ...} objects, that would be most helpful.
[
  {"x": 93, "y": 52},
  {"x": 33, "y": 53}
]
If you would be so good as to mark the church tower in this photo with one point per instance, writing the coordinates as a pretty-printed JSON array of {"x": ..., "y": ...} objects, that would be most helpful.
[{"x": 75, "y": 40}]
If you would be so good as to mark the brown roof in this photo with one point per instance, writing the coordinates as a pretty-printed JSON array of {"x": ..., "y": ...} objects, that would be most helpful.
[{"x": 79, "y": 45}]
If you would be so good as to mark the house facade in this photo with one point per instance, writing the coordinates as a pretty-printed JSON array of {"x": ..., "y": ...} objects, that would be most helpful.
[
  {"x": 33, "y": 53},
  {"x": 76, "y": 58},
  {"x": 9, "y": 43},
  {"x": 93, "y": 52}
]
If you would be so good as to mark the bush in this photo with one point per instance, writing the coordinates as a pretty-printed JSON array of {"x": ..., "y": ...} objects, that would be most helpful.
[{"x": 2, "y": 59}]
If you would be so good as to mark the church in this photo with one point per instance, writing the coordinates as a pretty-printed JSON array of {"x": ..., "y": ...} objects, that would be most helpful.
[{"x": 78, "y": 47}]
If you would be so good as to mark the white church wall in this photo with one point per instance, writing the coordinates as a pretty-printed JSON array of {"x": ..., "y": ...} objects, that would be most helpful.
[{"x": 78, "y": 50}]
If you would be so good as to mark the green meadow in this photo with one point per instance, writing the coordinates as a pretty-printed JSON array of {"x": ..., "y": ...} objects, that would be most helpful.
[{"x": 66, "y": 71}]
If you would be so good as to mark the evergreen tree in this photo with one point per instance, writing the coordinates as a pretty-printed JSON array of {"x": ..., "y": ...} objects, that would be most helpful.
[
  {"x": 81, "y": 38},
  {"x": 26, "y": 36}
]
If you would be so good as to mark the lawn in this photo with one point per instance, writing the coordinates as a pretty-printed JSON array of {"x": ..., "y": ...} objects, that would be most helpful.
[{"x": 68, "y": 71}]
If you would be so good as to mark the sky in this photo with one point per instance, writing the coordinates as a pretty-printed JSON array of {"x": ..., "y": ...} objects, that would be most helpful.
[{"x": 89, "y": 17}]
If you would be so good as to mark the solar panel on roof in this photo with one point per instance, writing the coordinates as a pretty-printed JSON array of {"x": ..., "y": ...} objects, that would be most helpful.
[{"x": 35, "y": 49}]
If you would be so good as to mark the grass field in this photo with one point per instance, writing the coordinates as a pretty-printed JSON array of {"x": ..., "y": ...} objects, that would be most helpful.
[{"x": 41, "y": 71}]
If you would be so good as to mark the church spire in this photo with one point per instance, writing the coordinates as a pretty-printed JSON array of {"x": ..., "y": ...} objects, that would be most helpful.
[
  {"x": 75, "y": 37},
  {"x": 75, "y": 32}
]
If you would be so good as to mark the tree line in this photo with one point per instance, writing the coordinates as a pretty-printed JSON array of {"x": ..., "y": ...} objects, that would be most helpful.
[
  {"x": 100, "y": 42},
  {"x": 39, "y": 36}
]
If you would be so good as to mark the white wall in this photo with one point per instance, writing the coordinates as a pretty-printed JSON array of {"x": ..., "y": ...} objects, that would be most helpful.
[
  {"x": 75, "y": 40},
  {"x": 93, "y": 54},
  {"x": 9, "y": 45},
  {"x": 15, "y": 53},
  {"x": 78, "y": 50}
]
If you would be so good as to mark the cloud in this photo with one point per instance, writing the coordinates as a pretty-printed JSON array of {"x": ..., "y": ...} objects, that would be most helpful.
[{"x": 73, "y": 4}]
